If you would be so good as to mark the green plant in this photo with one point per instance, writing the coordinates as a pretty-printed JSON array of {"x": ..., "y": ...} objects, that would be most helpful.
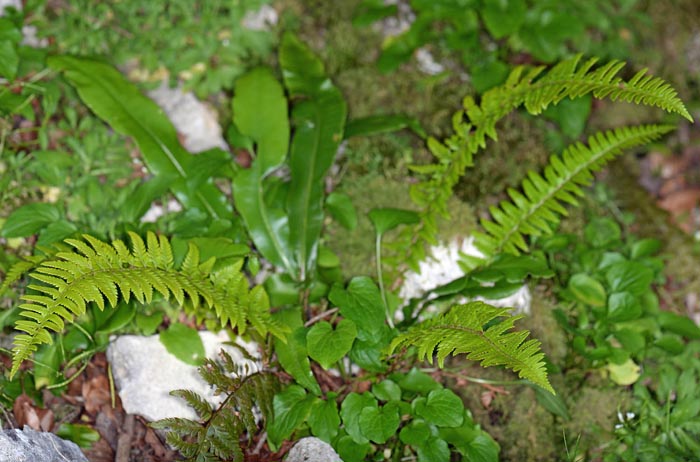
[
  {"x": 202, "y": 43},
  {"x": 217, "y": 432}
]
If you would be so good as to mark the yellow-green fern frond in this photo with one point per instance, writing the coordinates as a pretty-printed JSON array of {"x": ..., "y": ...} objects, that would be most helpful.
[
  {"x": 461, "y": 331},
  {"x": 542, "y": 200},
  {"x": 95, "y": 272}
]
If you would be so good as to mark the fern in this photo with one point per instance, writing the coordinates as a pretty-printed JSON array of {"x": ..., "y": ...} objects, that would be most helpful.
[
  {"x": 535, "y": 89},
  {"x": 461, "y": 330},
  {"x": 217, "y": 434},
  {"x": 544, "y": 196},
  {"x": 96, "y": 271}
]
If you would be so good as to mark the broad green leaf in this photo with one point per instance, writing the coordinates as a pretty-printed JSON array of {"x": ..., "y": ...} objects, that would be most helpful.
[
  {"x": 369, "y": 353},
  {"x": 319, "y": 121},
  {"x": 644, "y": 248},
  {"x": 327, "y": 259},
  {"x": 118, "y": 102},
  {"x": 341, "y": 209},
  {"x": 553, "y": 403},
  {"x": 415, "y": 433},
  {"x": 442, "y": 408},
  {"x": 362, "y": 303},
  {"x": 503, "y": 17},
  {"x": 291, "y": 408},
  {"x": 9, "y": 60},
  {"x": 324, "y": 419},
  {"x": 623, "y": 306},
  {"x": 111, "y": 320},
  {"x": 350, "y": 451},
  {"x": 260, "y": 112},
  {"x": 601, "y": 232},
  {"x": 268, "y": 226},
  {"x": 379, "y": 424},
  {"x": 184, "y": 343},
  {"x": 55, "y": 232},
  {"x": 374, "y": 125},
  {"x": 629, "y": 277},
  {"x": 386, "y": 219},
  {"x": 417, "y": 381},
  {"x": 587, "y": 290},
  {"x": 387, "y": 390},
  {"x": 29, "y": 219},
  {"x": 47, "y": 366},
  {"x": 327, "y": 345},
  {"x": 472, "y": 442},
  {"x": 148, "y": 324},
  {"x": 631, "y": 340},
  {"x": 292, "y": 355},
  {"x": 143, "y": 196},
  {"x": 571, "y": 115},
  {"x": 82, "y": 435},
  {"x": 624, "y": 374},
  {"x": 681, "y": 325},
  {"x": 350, "y": 411},
  {"x": 433, "y": 450}
]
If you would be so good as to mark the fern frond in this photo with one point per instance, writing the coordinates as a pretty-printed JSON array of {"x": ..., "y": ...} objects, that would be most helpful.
[
  {"x": 543, "y": 197},
  {"x": 217, "y": 435},
  {"x": 535, "y": 89},
  {"x": 97, "y": 272},
  {"x": 461, "y": 330}
]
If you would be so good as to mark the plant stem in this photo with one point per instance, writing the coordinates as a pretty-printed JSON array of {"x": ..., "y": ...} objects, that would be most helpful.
[{"x": 378, "y": 249}]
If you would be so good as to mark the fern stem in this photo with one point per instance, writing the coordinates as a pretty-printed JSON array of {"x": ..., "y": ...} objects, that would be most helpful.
[{"x": 380, "y": 279}]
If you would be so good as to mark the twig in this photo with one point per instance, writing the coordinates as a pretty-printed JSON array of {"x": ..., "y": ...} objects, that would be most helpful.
[
  {"x": 320, "y": 316},
  {"x": 124, "y": 442}
]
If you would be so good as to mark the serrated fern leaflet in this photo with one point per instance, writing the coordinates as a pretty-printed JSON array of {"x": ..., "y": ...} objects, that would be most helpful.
[
  {"x": 461, "y": 331},
  {"x": 542, "y": 200},
  {"x": 96, "y": 271}
]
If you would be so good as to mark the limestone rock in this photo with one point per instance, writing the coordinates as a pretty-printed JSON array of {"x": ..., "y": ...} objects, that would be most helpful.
[
  {"x": 145, "y": 373},
  {"x": 312, "y": 449},
  {"x": 28, "y": 445}
]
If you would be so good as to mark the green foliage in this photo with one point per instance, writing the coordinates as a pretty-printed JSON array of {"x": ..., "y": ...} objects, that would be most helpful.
[
  {"x": 199, "y": 43},
  {"x": 461, "y": 331},
  {"x": 216, "y": 434},
  {"x": 95, "y": 271},
  {"x": 536, "y": 90}
]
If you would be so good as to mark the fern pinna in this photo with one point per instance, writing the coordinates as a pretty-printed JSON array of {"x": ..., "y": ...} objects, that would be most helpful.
[
  {"x": 461, "y": 330},
  {"x": 536, "y": 90},
  {"x": 95, "y": 271}
]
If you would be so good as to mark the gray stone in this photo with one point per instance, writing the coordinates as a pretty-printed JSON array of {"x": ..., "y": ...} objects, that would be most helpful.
[
  {"x": 28, "y": 445},
  {"x": 145, "y": 373},
  {"x": 312, "y": 449}
]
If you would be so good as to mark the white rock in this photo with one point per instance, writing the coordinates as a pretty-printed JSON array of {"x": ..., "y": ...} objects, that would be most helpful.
[
  {"x": 28, "y": 445},
  {"x": 427, "y": 63},
  {"x": 262, "y": 19},
  {"x": 196, "y": 121},
  {"x": 145, "y": 373},
  {"x": 16, "y": 4},
  {"x": 312, "y": 449},
  {"x": 156, "y": 211},
  {"x": 443, "y": 266}
]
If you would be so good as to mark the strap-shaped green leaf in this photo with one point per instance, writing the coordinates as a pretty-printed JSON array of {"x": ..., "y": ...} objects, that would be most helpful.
[{"x": 119, "y": 103}]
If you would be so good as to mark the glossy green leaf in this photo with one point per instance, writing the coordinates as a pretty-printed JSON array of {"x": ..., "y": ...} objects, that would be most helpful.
[
  {"x": 379, "y": 424},
  {"x": 291, "y": 408},
  {"x": 644, "y": 248},
  {"x": 82, "y": 435},
  {"x": 503, "y": 17},
  {"x": 341, "y": 209},
  {"x": 148, "y": 324},
  {"x": 9, "y": 60},
  {"x": 268, "y": 226},
  {"x": 623, "y": 306},
  {"x": 292, "y": 355},
  {"x": 324, "y": 419},
  {"x": 386, "y": 219},
  {"x": 624, "y": 374},
  {"x": 350, "y": 451},
  {"x": 260, "y": 112},
  {"x": 362, "y": 303},
  {"x": 374, "y": 125},
  {"x": 111, "y": 320},
  {"x": 117, "y": 101},
  {"x": 56, "y": 232},
  {"x": 433, "y": 450},
  {"x": 417, "y": 381},
  {"x": 571, "y": 115},
  {"x": 587, "y": 290},
  {"x": 415, "y": 433},
  {"x": 29, "y": 219},
  {"x": 629, "y": 277},
  {"x": 631, "y": 340},
  {"x": 473, "y": 443},
  {"x": 681, "y": 325},
  {"x": 184, "y": 343},
  {"x": 442, "y": 408},
  {"x": 601, "y": 232},
  {"x": 328, "y": 345},
  {"x": 319, "y": 122},
  {"x": 350, "y": 411},
  {"x": 387, "y": 390}
]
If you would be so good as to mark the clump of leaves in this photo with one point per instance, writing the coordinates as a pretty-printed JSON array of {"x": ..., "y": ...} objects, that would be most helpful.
[{"x": 216, "y": 434}]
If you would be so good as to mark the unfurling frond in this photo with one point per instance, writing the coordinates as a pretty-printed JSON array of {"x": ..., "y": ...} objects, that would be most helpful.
[
  {"x": 216, "y": 436},
  {"x": 542, "y": 200},
  {"x": 536, "y": 89},
  {"x": 461, "y": 330},
  {"x": 95, "y": 272}
]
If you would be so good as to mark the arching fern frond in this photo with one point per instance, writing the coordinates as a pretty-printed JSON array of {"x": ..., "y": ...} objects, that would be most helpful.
[
  {"x": 542, "y": 200},
  {"x": 96, "y": 271},
  {"x": 535, "y": 89},
  {"x": 461, "y": 330}
]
